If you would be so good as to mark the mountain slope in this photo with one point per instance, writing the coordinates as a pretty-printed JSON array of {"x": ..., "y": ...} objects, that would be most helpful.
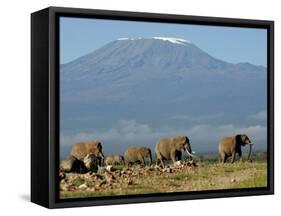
[
  {"x": 131, "y": 61},
  {"x": 152, "y": 80}
]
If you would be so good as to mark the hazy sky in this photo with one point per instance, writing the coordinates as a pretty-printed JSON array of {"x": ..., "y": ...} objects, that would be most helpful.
[{"x": 81, "y": 36}]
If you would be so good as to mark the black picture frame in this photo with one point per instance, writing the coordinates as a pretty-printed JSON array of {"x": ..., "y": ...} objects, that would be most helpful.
[{"x": 45, "y": 106}]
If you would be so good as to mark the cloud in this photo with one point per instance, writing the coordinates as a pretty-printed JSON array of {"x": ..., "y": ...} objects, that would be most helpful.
[
  {"x": 207, "y": 132},
  {"x": 185, "y": 117},
  {"x": 260, "y": 116},
  {"x": 130, "y": 131},
  {"x": 126, "y": 130}
]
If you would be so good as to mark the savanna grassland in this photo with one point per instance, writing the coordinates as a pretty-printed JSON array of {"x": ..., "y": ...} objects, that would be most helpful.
[{"x": 205, "y": 175}]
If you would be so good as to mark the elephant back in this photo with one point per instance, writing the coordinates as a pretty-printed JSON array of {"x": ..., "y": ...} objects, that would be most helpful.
[
  {"x": 163, "y": 146},
  {"x": 130, "y": 154},
  {"x": 109, "y": 160},
  {"x": 226, "y": 143},
  {"x": 118, "y": 159},
  {"x": 81, "y": 150}
]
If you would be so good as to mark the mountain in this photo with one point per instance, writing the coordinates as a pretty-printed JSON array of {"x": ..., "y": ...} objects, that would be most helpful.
[{"x": 154, "y": 80}]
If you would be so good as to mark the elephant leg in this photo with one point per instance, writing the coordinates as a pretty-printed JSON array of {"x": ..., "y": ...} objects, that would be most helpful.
[
  {"x": 127, "y": 164},
  {"x": 162, "y": 163},
  {"x": 156, "y": 162},
  {"x": 240, "y": 156},
  {"x": 173, "y": 156},
  {"x": 178, "y": 155},
  {"x": 233, "y": 157},
  {"x": 223, "y": 158},
  {"x": 220, "y": 160},
  {"x": 160, "y": 158},
  {"x": 141, "y": 159}
]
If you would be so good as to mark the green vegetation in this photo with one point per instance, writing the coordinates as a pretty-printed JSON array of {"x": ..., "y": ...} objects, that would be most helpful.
[
  {"x": 118, "y": 167},
  {"x": 78, "y": 181}
]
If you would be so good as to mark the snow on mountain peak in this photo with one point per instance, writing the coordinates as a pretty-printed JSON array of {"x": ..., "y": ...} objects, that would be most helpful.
[
  {"x": 169, "y": 39},
  {"x": 173, "y": 40},
  {"x": 120, "y": 39}
]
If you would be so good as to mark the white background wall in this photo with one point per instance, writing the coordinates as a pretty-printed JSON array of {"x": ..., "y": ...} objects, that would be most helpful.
[{"x": 15, "y": 106}]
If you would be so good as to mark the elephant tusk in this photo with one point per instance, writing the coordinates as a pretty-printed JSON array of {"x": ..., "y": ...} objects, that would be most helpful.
[
  {"x": 251, "y": 143},
  {"x": 189, "y": 153},
  {"x": 192, "y": 155}
]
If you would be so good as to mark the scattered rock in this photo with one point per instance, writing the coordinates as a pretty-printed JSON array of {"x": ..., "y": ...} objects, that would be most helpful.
[
  {"x": 177, "y": 163},
  {"x": 167, "y": 169},
  {"x": 100, "y": 183},
  {"x": 101, "y": 170},
  {"x": 129, "y": 181},
  {"x": 109, "y": 168},
  {"x": 83, "y": 186},
  {"x": 92, "y": 189},
  {"x": 62, "y": 175},
  {"x": 117, "y": 173},
  {"x": 109, "y": 177},
  {"x": 63, "y": 187}
]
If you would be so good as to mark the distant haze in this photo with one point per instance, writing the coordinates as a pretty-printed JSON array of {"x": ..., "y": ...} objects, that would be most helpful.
[{"x": 132, "y": 91}]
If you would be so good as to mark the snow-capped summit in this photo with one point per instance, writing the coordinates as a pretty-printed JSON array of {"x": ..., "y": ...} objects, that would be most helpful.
[
  {"x": 168, "y": 39},
  {"x": 173, "y": 40},
  {"x": 121, "y": 39}
]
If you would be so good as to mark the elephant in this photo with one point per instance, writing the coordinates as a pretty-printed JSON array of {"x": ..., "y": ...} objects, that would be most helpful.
[
  {"x": 80, "y": 150},
  {"x": 72, "y": 164},
  {"x": 178, "y": 155},
  {"x": 170, "y": 149},
  {"x": 229, "y": 146},
  {"x": 91, "y": 162},
  {"x": 137, "y": 154},
  {"x": 114, "y": 160}
]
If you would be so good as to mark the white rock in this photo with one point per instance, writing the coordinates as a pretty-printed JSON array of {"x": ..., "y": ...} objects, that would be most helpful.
[
  {"x": 177, "y": 163},
  {"x": 109, "y": 168},
  {"x": 83, "y": 186}
]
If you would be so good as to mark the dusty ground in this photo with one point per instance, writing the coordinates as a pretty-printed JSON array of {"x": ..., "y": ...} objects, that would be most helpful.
[{"x": 153, "y": 179}]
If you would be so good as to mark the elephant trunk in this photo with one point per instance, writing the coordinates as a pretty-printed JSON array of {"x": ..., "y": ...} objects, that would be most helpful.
[
  {"x": 101, "y": 156},
  {"x": 250, "y": 152},
  {"x": 150, "y": 158}
]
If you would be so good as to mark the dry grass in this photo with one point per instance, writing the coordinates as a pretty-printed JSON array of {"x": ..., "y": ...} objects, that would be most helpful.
[{"x": 149, "y": 180}]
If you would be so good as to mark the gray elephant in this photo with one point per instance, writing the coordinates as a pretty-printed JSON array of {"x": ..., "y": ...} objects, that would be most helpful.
[
  {"x": 72, "y": 164},
  {"x": 170, "y": 148},
  {"x": 80, "y": 150},
  {"x": 91, "y": 162},
  {"x": 114, "y": 160},
  {"x": 229, "y": 146},
  {"x": 137, "y": 154}
]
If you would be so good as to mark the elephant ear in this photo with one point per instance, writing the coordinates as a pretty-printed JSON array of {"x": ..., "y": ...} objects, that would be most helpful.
[
  {"x": 176, "y": 139},
  {"x": 186, "y": 139},
  {"x": 99, "y": 146},
  {"x": 180, "y": 139},
  {"x": 238, "y": 139}
]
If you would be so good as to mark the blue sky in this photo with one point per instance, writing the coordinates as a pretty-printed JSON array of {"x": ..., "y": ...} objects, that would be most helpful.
[{"x": 81, "y": 36}]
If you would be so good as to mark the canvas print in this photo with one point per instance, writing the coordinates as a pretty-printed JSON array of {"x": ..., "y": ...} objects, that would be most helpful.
[{"x": 149, "y": 107}]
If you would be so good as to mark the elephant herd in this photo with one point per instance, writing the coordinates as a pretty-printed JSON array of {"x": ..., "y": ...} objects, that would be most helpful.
[{"x": 89, "y": 156}]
